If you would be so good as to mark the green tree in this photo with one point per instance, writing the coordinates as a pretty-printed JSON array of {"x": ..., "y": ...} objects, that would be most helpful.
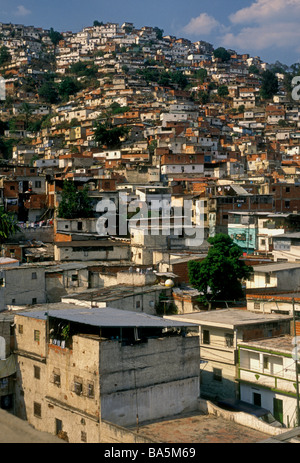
[
  {"x": 6, "y": 147},
  {"x": 218, "y": 277},
  {"x": 203, "y": 97},
  {"x": 223, "y": 91},
  {"x": 222, "y": 54},
  {"x": 201, "y": 74},
  {"x": 55, "y": 37},
  {"x": 180, "y": 79},
  {"x": 159, "y": 33},
  {"x": 108, "y": 135},
  {"x": 26, "y": 110},
  {"x": 5, "y": 56},
  {"x": 253, "y": 69},
  {"x": 74, "y": 203},
  {"x": 67, "y": 87},
  {"x": 269, "y": 86},
  {"x": 48, "y": 92},
  {"x": 81, "y": 69},
  {"x": 8, "y": 225}
]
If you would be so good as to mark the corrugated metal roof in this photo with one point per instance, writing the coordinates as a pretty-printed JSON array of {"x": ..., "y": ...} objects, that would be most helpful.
[{"x": 105, "y": 317}]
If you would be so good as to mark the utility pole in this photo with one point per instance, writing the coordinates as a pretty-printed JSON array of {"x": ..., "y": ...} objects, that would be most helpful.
[{"x": 296, "y": 363}]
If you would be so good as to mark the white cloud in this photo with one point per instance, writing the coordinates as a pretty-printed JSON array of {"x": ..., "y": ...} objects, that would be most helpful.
[
  {"x": 262, "y": 11},
  {"x": 202, "y": 24},
  {"x": 22, "y": 11},
  {"x": 262, "y": 37},
  {"x": 265, "y": 24}
]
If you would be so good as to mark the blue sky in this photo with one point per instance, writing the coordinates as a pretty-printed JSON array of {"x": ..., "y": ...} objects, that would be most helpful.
[{"x": 266, "y": 28}]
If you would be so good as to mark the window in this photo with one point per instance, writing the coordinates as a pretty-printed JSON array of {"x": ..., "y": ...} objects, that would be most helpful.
[
  {"x": 37, "y": 184},
  {"x": 56, "y": 379},
  {"x": 34, "y": 301},
  {"x": 229, "y": 339},
  {"x": 91, "y": 392},
  {"x": 79, "y": 226},
  {"x": 83, "y": 436},
  {"x": 266, "y": 363},
  {"x": 78, "y": 386},
  {"x": 37, "y": 409},
  {"x": 138, "y": 304},
  {"x": 37, "y": 372},
  {"x": 268, "y": 278},
  {"x": 206, "y": 337},
  {"x": 36, "y": 335},
  {"x": 33, "y": 276},
  {"x": 256, "y": 305},
  {"x": 74, "y": 277},
  {"x": 20, "y": 329},
  {"x": 58, "y": 426},
  {"x": 217, "y": 374}
]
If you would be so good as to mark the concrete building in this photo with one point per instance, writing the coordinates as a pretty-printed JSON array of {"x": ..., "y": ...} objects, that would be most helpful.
[
  {"x": 79, "y": 368},
  {"x": 220, "y": 332},
  {"x": 22, "y": 285},
  {"x": 267, "y": 376},
  {"x": 282, "y": 275}
]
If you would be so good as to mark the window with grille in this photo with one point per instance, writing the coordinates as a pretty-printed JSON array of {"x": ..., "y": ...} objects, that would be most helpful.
[
  {"x": 229, "y": 339},
  {"x": 36, "y": 335}
]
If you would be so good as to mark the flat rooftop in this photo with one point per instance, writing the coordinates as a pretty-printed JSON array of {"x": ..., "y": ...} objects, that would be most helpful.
[
  {"x": 276, "y": 267},
  {"x": 101, "y": 317},
  {"x": 281, "y": 343},
  {"x": 110, "y": 293},
  {"x": 229, "y": 318},
  {"x": 198, "y": 428}
]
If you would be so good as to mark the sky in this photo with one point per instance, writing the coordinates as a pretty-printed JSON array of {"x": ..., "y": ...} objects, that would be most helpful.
[{"x": 269, "y": 29}]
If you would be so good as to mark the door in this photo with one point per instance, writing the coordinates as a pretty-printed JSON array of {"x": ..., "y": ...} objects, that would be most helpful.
[
  {"x": 257, "y": 399},
  {"x": 278, "y": 410},
  {"x": 58, "y": 426}
]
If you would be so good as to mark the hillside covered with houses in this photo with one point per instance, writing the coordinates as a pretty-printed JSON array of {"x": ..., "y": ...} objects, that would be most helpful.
[{"x": 116, "y": 145}]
